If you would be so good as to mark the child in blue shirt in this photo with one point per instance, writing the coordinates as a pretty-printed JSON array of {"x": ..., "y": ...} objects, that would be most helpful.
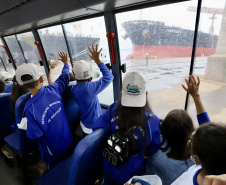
[
  {"x": 47, "y": 121},
  {"x": 85, "y": 92},
  {"x": 132, "y": 110}
]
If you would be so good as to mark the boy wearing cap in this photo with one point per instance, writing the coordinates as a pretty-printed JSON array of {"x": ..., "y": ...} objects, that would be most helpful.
[
  {"x": 85, "y": 92},
  {"x": 133, "y": 117},
  {"x": 47, "y": 121}
]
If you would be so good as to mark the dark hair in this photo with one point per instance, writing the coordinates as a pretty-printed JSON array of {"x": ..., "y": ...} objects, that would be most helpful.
[
  {"x": 17, "y": 91},
  {"x": 29, "y": 85},
  {"x": 72, "y": 77},
  {"x": 209, "y": 144},
  {"x": 175, "y": 130},
  {"x": 131, "y": 116},
  {"x": 86, "y": 80},
  {"x": 2, "y": 86}
]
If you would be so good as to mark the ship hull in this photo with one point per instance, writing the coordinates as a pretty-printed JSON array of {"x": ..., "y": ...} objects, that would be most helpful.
[
  {"x": 141, "y": 51},
  {"x": 158, "y": 40}
]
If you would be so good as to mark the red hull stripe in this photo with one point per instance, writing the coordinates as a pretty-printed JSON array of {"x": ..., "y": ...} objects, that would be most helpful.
[{"x": 140, "y": 51}]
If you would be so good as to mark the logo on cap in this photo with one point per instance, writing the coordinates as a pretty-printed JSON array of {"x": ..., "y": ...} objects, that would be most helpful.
[
  {"x": 133, "y": 89},
  {"x": 86, "y": 74}
]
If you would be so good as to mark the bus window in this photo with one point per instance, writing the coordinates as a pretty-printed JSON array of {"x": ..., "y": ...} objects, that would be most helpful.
[
  {"x": 15, "y": 50},
  {"x": 1, "y": 65},
  {"x": 53, "y": 42},
  {"x": 157, "y": 42},
  {"x": 30, "y": 50},
  {"x": 80, "y": 35},
  {"x": 210, "y": 59},
  {"x": 5, "y": 59}
]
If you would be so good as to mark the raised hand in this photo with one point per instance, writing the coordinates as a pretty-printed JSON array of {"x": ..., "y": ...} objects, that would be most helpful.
[
  {"x": 53, "y": 64},
  {"x": 192, "y": 87},
  {"x": 63, "y": 57},
  {"x": 95, "y": 54}
]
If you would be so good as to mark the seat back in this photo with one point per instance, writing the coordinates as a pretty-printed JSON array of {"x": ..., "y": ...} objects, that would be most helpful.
[
  {"x": 168, "y": 173},
  {"x": 86, "y": 164},
  {"x": 6, "y": 117},
  {"x": 26, "y": 145},
  {"x": 71, "y": 108},
  {"x": 9, "y": 87}
]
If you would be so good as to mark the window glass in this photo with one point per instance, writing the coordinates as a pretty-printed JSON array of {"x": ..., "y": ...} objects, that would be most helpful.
[
  {"x": 5, "y": 59},
  {"x": 15, "y": 49},
  {"x": 210, "y": 59},
  {"x": 157, "y": 42},
  {"x": 30, "y": 50},
  {"x": 1, "y": 65},
  {"x": 53, "y": 42},
  {"x": 82, "y": 34}
]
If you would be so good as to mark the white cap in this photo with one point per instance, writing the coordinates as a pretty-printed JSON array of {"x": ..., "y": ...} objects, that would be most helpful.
[
  {"x": 82, "y": 70},
  {"x": 27, "y": 69},
  {"x": 133, "y": 90},
  {"x": 4, "y": 75}
]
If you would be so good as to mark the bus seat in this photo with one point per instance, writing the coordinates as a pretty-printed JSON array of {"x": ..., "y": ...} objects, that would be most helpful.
[
  {"x": 22, "y": 144},
  {"x": 168, "y": 169},
  {"x": 86, "y": 165},
  {"x": 57, "y": 175},
  {"x": 72, "y": 109},
  {"x": 6, "y": 117},
  {"x": 9, "y": 87},
  {"x": 83, "y": 167}
]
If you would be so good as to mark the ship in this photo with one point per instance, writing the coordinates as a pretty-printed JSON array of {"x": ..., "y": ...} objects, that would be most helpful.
[
  {"x": 51, "y": 43},
  {"x": 154, "y": 39}
]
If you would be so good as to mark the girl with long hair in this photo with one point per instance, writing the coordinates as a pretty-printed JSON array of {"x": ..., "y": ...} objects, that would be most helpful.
[{"x": 130, "y": 119}]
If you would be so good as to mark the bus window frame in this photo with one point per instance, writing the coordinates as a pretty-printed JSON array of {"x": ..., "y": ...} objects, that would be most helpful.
[{"x": 111, "y": 26}]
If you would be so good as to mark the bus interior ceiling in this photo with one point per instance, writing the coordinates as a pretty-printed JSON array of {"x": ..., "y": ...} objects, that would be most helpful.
[{"x": 19, "y": 15}]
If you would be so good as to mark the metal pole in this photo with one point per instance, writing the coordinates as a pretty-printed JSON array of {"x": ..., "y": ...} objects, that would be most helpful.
[
  {"x": 11, "y": 57},
  {"x": 194, "y": 46},
  {"x": 21, "y": 49},
  {"x": 68, "y": 45},
  {"x": 45, "y": 62}
]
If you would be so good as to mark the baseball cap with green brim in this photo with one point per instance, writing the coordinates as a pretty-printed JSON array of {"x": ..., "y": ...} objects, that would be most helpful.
[{"x": 83, "y": 71}]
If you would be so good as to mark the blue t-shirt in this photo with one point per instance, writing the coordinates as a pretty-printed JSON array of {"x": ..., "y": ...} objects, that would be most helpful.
[
  {"x": 195, "y": 182},
  {"x": 47, "y": 121},
  {"x": 134, "y": 165},
  {"x": 86, "y": 96}
]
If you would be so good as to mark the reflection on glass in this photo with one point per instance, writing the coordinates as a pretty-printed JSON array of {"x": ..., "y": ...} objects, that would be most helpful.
[
  {"x": 210, "y": 63},
  {"x": 15, "y": 49},
  {"x": 158, "y": 42},
  {"x": 53, "y": 41},
  {"x": 5, "y": 59},
  {"x": 30, "y": 50},
  {"x": 82, "y": 34}
]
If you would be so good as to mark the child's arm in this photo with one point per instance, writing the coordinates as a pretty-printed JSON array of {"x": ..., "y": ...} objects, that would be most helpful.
[
  {"x": 63, "y": 80},
  {"x": 193, "y": 89},
  {"x": 53, "y": 64},
  {"x": 153, "y": 135},
  {"x": 104, "y": 121},
  {"x": 98, "y": 86}
]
